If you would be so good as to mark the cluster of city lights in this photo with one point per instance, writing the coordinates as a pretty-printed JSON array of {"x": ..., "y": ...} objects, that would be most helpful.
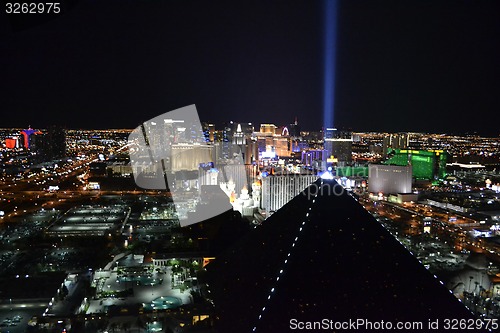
[
  {"x": 441, "y": 282},
  {"x": 282, "y": 270}
]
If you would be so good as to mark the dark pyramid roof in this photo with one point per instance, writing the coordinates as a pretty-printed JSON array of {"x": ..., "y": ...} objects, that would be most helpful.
[{"x": 341, "y": 265}]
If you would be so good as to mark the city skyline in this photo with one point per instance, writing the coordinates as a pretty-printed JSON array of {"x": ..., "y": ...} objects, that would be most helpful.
[
  {"x": 258, "y": 166},
  {"x": 415, "y": 67},
  {"x": 201, "y": 231},
  {"x": 220, "y": 126}
]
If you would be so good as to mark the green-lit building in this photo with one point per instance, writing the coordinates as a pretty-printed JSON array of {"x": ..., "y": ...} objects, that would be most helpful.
[{"x": 426, "y": 164}]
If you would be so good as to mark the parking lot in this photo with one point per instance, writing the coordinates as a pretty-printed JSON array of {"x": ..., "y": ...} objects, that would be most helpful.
[{"x": 17, "y": 319}]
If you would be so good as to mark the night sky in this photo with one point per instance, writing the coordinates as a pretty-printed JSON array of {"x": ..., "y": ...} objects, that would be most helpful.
[{"x": 429, "y": 66}]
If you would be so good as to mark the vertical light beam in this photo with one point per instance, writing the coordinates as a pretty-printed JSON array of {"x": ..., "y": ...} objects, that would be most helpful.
[{"x": 330, "y": 47}]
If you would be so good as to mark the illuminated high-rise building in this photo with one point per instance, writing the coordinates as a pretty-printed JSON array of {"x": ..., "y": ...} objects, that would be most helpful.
[
  {"x": 395, "y": 141},
  {"x": 209, "y": 132},
  {"x": 250, "y": 152},
  {"x": 247, "y": 129},
  {"x": 269, "y": 129},
  {"x": 338, "y": 146},
  {"x": 251, "y": 171},
  {"x": 310, "y": 156},
  {"x": 207, "y": 175},
  {"x": 187, "y": 157},
  {"x": 238, "y": 136},
  {"x": 281, "y": 146},
  {"x": 227, "y": 140},
  {"x": 27, "y": 133},
  {"x": 427, "y": 164},
  {"x": 236, "y": 174},
  {"x": 296, "y": 143},
  {"x": 389, "y": 179},
  {"x": 294, "y": 129},
  {"x": 273, "y": 141},
  {"x": 12, "y": 142},
  {"x": 278, "y": 190}
]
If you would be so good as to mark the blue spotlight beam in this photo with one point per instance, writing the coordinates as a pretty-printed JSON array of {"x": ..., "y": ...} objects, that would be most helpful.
[{"x": 330, "y": 47}]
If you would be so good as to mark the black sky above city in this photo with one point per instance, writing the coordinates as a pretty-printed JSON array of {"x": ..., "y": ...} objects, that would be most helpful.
[{"x": 428, "y": 66}]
